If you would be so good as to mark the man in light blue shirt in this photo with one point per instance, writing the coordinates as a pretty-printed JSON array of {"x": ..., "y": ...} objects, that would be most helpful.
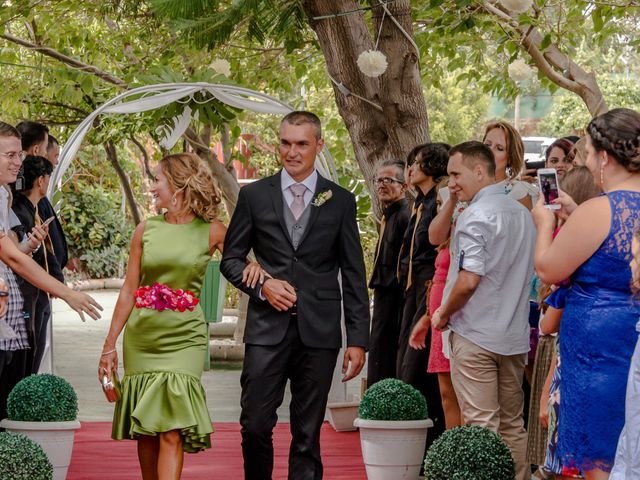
[{"x": 487, "y": 309}]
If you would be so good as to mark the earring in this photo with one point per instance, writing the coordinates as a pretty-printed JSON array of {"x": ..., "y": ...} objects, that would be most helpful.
[
  {"x": 602, "y": 176},
  {"x": 174, "y": 200}
]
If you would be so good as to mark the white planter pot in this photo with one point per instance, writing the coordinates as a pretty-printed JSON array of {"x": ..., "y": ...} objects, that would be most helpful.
[
  {"x": 342, "y": 415},
  {"x": 55, "y": 438},
  {"x": 393, "y": 450}
]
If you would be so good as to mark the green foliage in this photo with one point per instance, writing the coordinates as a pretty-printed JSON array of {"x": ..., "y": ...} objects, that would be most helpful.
[
  {"x": 469, "y": 452},
  {"x": 95, "y": 228},
  {"x": 42, "y": 398},
  {"x": 392, "y": 399},
  {"x": 23, "y": 459},
  {"x": 569, "y": 115}
]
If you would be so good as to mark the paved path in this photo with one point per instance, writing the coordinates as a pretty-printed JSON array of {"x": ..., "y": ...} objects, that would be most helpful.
[{"x": 76, "y": 351}]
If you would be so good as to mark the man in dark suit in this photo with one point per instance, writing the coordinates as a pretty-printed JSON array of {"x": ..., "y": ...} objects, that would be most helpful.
[
  {"x": 388, "y": 294},
  {"x": 302, "y": 229}
]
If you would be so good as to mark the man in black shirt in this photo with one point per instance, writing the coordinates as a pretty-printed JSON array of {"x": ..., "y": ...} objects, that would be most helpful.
[{"x": 388, "y": 294}]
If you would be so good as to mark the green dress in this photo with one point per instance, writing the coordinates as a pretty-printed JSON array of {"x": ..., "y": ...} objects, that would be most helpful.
[{"x": 164, "y": 352}]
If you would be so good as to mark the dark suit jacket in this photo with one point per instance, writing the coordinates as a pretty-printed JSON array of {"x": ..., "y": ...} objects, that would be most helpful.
[
  {"x": 384, "y": 274},
  {"x": 331, "y": 244}
]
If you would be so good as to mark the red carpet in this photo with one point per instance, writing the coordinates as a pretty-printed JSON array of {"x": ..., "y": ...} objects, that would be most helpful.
[{"x": 97, "y": 457}]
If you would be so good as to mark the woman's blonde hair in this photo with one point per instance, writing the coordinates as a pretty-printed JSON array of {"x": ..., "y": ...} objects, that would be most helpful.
[
  {"x": 514, "y": 146},
  {"x": 189, "y": 175}
]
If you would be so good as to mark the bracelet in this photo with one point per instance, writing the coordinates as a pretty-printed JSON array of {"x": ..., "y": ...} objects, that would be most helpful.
[{"x": 107, "y": 353}]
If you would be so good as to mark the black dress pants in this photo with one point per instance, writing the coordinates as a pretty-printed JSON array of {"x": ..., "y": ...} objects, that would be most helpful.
[
  {"x": 412, "y": 364},
  {"x": 12, "y": 370},
  {"x": 264, "y": 376},
  {"x": 385, "y": 333}
]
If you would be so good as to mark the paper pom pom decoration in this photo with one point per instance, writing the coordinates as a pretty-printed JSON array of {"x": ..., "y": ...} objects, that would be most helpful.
[
  {"x": 517, "y": 6},
  {"x": 372, "y": 63},
  {"x": 520, "y": 71},
  {"x": 221, "y": 66}
]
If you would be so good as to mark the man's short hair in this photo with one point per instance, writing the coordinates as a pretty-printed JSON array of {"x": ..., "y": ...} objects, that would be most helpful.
[
  {"x": 7, "y": 130},
  {"x": 300, "y": 117},
  {"x": 32, "y": 133},
  {"x": 474, "y": 153},
  {"x": 53, "y": 141},
  {"x": 398, "y": 164}
]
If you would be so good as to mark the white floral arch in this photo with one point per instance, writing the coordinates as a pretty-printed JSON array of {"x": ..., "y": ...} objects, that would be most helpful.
[{"x": 160, "y": 95}]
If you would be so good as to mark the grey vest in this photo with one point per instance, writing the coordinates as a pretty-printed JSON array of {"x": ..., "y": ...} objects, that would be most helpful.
[{"x": 295, "y": 227}]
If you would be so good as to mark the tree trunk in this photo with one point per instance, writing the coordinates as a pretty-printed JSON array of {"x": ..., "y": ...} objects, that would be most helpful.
[
  {"x": 112, "y": 155},
  {"x": 401, "y": 124}
]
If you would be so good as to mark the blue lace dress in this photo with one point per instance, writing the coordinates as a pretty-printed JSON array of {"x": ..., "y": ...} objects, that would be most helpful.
[{"x": 597, "y": 339}]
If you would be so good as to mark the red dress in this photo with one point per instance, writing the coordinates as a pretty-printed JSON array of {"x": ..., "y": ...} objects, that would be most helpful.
[{"x": 438, "y": 363}]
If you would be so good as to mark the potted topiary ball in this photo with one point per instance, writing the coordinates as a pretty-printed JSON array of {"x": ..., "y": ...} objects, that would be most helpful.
[
  {"x": 393, "y": 427},
  {"x": 469, "y": 451},
  {"x": 23, "y": 459},
  {"x": 45, "y": 409}
]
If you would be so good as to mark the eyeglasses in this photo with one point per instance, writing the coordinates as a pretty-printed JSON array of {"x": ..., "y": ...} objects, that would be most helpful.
[
  {"x": 15, "y": 155},
  {"x": 386, "y": 181}
]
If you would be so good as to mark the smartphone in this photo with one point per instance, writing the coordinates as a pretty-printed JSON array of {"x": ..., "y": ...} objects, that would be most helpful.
[
  {"x": 548, "y": 183},
  {"x": 48, "y": 221}
]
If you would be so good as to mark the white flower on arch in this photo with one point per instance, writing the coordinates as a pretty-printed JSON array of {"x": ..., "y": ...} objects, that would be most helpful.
[
  {"x": 372, "y": 63},
  {"x": 221, "y": 66}
]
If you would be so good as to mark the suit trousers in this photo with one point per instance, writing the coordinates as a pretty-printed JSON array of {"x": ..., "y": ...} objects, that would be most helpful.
[
  {"x": 489, "y": 390},
  {"x": 385, "y": 333},
  {"x": 264, "y": 376},
  {"x": 41, "y": 321},
  {"x": 412, "y": 364}
]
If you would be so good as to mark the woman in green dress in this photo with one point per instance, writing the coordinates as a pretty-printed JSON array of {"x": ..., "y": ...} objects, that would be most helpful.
[{"x": 162, "y": 403}]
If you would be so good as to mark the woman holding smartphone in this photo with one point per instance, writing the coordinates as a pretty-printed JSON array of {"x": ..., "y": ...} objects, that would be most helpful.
[
  {"x": 36, "y": 172},
  {"x": 598, "y": 325}
]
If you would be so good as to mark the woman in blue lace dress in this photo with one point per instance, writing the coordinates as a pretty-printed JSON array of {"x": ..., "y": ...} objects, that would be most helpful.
[{"x": 597, "y": 333}]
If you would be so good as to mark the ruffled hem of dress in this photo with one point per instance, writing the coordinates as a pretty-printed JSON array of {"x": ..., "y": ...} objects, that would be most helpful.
[{"x": 155, "y": 402}]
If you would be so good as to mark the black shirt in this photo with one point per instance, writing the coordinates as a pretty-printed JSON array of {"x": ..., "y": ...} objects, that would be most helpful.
[
  {"x": 424, "y": 254},
  {"x": 45, "y": 210}
]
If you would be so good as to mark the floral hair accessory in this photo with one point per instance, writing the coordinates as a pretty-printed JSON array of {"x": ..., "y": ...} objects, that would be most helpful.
[
  {"x": 321, "y": 198},
  {"x": 162, "y": 297}
]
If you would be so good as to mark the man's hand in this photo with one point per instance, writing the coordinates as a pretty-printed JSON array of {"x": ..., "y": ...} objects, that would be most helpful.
[
  {"x": 83, "y": 303},
  {"x": 418, "y": 338},
  {"x": 355, "y": 357},
  {"x": 439, "y": 321},
  {"x": 280, "y": 294}
]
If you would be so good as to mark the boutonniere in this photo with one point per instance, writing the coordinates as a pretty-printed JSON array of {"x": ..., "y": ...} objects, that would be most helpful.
[{"x": 321, "y": 198}]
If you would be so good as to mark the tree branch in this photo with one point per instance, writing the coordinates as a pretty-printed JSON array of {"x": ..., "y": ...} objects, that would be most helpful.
[
  {"x": 73, "y": 63},
  {"x": 145, "y": 157}
]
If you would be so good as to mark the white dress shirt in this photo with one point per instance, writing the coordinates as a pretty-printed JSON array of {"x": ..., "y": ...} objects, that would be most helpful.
[
  {"x": 310, "y": 182},
  {"x": 495, "y": 238}
]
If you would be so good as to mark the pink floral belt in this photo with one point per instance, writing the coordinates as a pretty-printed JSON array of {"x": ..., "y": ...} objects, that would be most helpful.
[{"x": 162, "y": 297}]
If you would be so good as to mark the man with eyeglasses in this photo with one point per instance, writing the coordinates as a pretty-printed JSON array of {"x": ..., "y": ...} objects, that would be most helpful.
[
  {"x": 388, "y": 294},
  {"x": 14, "y": 342}
]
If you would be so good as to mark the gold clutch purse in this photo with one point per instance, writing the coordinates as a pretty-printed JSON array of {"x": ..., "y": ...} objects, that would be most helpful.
[{"x": 111, "y": 388}]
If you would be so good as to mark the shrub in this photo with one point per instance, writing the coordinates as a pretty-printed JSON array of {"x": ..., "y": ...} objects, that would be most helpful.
[
  {"x": 23, "y": 459},
  {"x": 469, "y": 452},
  {"x": 95, "y": 229},
  {"x": 42, "y": 398},
  {"x": 392, "y": 399}
]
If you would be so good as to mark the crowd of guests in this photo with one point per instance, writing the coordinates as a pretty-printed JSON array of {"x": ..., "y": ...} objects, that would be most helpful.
[
  {"x": 33, "y": 252},
  {"x": 480, "y": 289}
]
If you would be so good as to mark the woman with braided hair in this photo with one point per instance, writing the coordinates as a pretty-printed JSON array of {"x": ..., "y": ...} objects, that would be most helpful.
[
  {"x": 597, "y": 332},
  {"x": 162, "y": 403}
]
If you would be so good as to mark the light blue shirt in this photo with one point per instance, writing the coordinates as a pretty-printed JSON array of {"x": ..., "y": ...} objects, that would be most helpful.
[
  {"x": 495, "y": 239},
  {"x": 310, "y": 182}
]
